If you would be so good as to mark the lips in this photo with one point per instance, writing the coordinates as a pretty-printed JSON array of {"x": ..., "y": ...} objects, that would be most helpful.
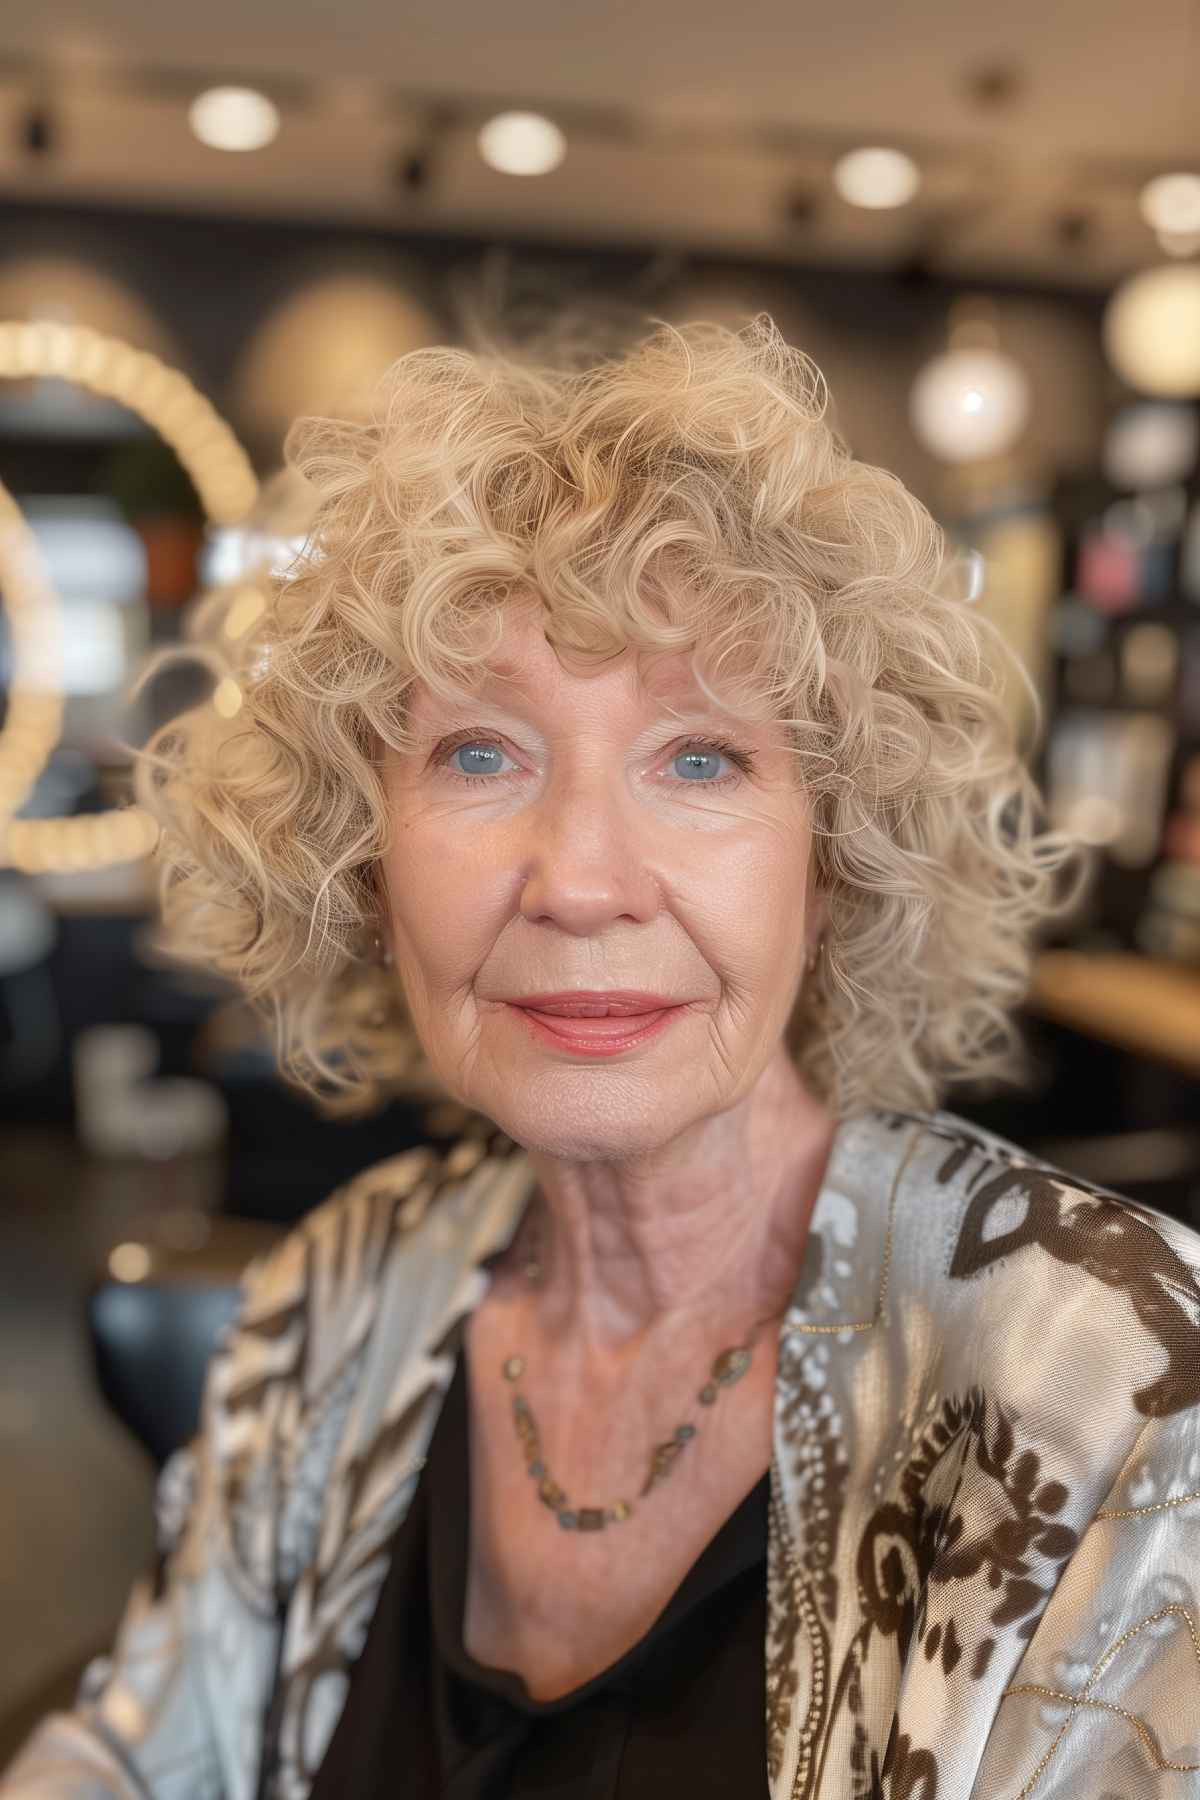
[
  {"x": 609, "y": 1034},
  {"x": 618, "y": 1004},
  {"x": 592, "y": 1028}
]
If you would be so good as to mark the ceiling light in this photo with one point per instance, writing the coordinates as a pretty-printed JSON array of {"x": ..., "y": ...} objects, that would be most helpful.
[
  {"x": 1152, "y": 330},
  {"x": 521, "y": 143},
  {"x": 233, "y": 118},
  {"x": 876, "y": 177},
  {"x": 1171, "y": 203},
  {"x": 967, "y": 404}
]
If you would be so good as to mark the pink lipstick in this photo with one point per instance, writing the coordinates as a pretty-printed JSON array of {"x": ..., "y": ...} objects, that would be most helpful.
[{"x": 598, "y": 1030}]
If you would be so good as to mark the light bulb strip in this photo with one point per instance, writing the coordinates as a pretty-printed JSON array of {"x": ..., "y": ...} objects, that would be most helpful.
[
  {"x": 162, "y": 397},
  {"x": 227, "y": 486},
  {"x": 35, "y": 706}
]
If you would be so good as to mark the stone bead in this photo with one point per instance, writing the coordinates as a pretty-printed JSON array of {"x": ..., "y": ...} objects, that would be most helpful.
[
  {"x": 684, "y": 1432},
  {"x": 537, "y": 1468},
  {"x": 568, "y": 1521},
  {"x": 621, "y": 1510},
  {"x": 730, "y": 1365},
  {"x": 708, "y": 1394},
  {"x": 550, "y": 1492},
  {"x": 514, "y": 1368},
  {"x": 591, "y": 1518}
]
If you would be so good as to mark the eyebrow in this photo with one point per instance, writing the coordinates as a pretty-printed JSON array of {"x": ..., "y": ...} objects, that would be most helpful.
[{"x": 692, "y": 713}]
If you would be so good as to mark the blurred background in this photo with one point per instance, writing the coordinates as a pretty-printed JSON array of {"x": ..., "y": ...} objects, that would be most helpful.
[{"x": 984, "y": 225}]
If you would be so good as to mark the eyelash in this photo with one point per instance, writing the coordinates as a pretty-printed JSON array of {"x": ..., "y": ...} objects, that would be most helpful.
[{"x": 744, "y": 759}]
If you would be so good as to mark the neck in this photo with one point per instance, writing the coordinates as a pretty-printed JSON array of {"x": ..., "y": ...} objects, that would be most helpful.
[{"x": 701, "y": 1233}]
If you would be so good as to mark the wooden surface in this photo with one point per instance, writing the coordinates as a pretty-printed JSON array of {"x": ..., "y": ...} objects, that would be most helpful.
[{"x": 1149, "y": 1007}]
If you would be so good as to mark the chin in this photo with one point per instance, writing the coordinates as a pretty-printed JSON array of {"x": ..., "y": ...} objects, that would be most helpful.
[{"x": 578, "y": 1115}]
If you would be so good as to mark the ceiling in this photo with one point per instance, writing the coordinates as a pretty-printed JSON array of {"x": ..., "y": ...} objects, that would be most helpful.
[{"x": 1035, "y": 123}]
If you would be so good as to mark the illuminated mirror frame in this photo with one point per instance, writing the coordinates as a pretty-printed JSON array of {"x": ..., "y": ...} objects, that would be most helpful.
[{"x": 221, "y": 472}]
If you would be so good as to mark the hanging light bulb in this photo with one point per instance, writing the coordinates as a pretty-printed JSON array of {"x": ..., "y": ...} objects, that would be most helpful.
[
  {"x": 1152, "y": 330},
  {"x": 969, "y": 403}
]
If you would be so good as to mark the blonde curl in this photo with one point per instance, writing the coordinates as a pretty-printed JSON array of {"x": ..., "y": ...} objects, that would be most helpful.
[{"x": 689, "y": 493}]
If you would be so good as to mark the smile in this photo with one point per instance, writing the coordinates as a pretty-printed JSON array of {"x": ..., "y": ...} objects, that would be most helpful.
[{"x": 597, "y": 1036}]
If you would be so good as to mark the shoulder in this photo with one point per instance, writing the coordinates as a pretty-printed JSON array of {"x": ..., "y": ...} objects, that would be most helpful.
[
  {"x": 392, "y": 1237},
  {"x": 1049, "y": 1239},
  {"x": 354, "y": 1282},
  {"x": 342, "y": 1242}
]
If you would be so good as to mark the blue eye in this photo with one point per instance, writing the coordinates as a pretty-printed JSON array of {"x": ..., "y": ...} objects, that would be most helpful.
[
  {"x": 699, "y": 754},
  {"x": 697, "y": 751},
  {"x": 474, "y": 750}
]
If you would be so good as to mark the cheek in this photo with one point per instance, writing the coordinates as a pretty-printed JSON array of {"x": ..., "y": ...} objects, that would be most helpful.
[
  {"x": 760, "y": 882},
  {"x": 743, "y": 911},
  {"x": 442, "y": 906}
]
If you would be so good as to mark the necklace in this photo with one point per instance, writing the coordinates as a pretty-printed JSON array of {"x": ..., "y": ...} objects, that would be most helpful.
[{"x": 726, "y": 1369}]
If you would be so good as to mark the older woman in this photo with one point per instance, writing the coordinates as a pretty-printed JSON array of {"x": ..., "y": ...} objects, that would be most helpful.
[{"x": 714, "y": 1415}]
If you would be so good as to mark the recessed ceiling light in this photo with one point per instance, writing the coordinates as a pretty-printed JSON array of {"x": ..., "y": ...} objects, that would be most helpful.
[
  {"x": 233, "y": 118},
  {"x": 876, "y": 177},
  {"x": 522, "y": 143}
]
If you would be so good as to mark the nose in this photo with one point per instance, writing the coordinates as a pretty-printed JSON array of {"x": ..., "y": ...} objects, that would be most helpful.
[{"x": 588, "y": 855}]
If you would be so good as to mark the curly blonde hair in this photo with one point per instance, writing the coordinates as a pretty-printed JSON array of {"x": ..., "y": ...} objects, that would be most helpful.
[{"x": 688, "y": 493}]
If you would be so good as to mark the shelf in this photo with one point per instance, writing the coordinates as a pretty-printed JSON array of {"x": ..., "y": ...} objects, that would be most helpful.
[{"x": 1140, "y": 1004}]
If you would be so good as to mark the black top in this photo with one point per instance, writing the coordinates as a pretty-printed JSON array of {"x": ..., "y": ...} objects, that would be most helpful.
[{"x": 682, "y": 1712}]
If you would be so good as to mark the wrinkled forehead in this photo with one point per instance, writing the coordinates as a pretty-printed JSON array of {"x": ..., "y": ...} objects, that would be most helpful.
[{"x": 526, "y": 670}]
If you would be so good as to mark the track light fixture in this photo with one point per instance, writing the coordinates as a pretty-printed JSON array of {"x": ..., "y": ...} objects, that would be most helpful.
[
  {"x": 37, "y": 130},
  {"x": 411, "y": 170}
]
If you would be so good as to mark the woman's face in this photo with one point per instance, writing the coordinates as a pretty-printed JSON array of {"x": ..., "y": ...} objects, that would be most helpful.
[{"x": 598, "y": 846}]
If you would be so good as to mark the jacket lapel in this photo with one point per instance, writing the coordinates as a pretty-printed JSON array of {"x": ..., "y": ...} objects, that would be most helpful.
[
  {"x": 840, "y": 1297},
  {"x": 431, "y": 1276}
]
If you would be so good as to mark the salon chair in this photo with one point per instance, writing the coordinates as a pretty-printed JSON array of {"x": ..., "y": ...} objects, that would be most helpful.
[{"x": 152, "y": 1337}]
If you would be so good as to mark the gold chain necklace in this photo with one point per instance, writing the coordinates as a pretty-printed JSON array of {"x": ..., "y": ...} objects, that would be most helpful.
[{"x": 727, "y": 1368}]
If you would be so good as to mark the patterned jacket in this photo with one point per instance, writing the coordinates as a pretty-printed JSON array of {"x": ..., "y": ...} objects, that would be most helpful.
[{"x": 984, "y": 1531}]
